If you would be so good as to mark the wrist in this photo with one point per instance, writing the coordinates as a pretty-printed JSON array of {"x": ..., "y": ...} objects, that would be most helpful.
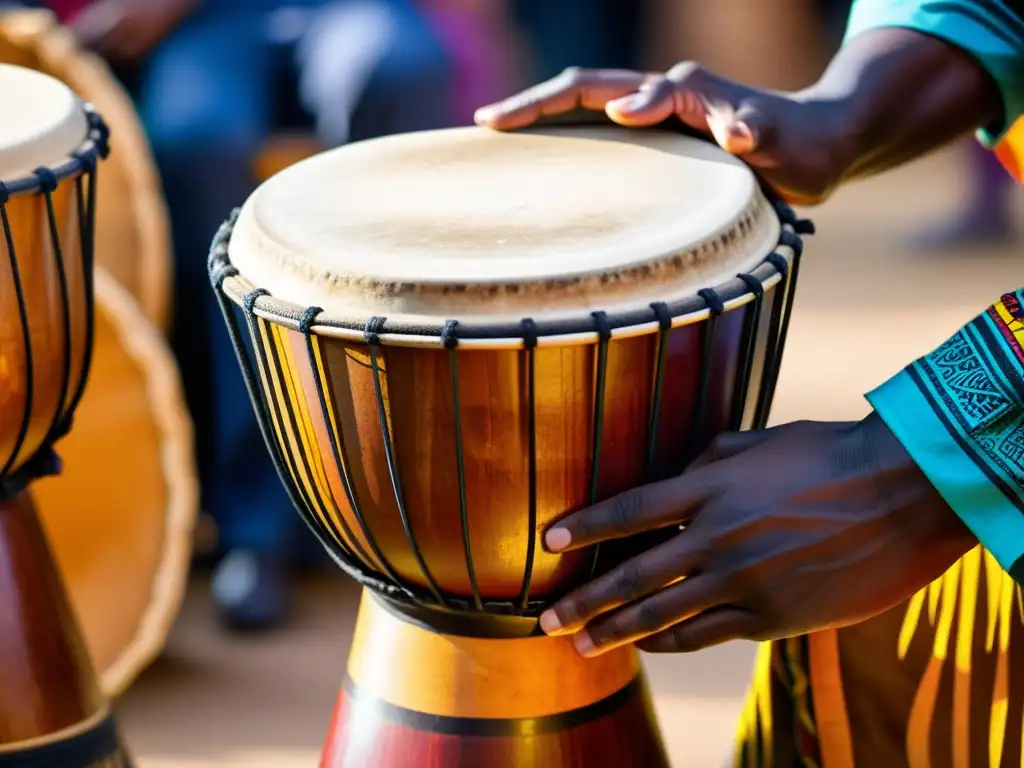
[{"x": 903, "y": 484}]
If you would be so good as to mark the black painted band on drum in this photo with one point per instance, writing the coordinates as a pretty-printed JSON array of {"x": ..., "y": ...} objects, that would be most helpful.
[
  {"x": 97, "y": 745},
  {"x": 483, "y": 727}
]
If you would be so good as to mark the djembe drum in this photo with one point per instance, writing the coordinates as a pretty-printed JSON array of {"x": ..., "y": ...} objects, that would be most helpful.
[
  {"x": 458, "y": 337},
  {"x": 51, "y": 710}
]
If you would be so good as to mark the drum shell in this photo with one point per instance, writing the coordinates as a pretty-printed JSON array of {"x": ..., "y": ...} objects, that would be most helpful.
[
  {"x": 713, "y": 378},
  {"x": 120, "y": 516},
  {"x": 43, "y": 282}
]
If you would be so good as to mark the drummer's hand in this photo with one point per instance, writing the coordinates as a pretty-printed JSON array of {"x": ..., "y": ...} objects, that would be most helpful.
[
  {"x": 790, "y": 530},
  {"x": 798, "y": 146},
  {"x": 124, "y": 31}
]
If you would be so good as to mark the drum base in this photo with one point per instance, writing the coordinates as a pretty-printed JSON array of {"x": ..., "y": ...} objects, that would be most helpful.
[
  {"x": 416, "y": 699},
  {"x": 51, "y": 709}
]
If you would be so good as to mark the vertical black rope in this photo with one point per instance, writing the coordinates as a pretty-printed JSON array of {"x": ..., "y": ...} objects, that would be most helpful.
[
  {"x": 372, "y": 338},
  {"x": 298, "y": 461},
  {"x": 340, "y": 460},
  {"x": 748, "y": 347},
  {"x": 708, "y": 332},
  {"x": 530, "y": 354},
  {"x": 305, "y": 326},
  {"x": 87, "y": 228},
  {"x": 664, "y": 327},
  {"x": 771, "y": 355},
  {"x": 450, "y": 342},
  {"x": 604, "y": 335},
  {"x": 48, "y": 184},
  {"x": 26, "y": 334},
  {"x": 797, "y": 246},
  {"x": 219, "y": 271},
  {"x": 100, "y": 135}
]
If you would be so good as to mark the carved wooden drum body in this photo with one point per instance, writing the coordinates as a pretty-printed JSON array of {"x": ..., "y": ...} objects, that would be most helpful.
[
  {"x": 51, "y": 709},
  {"x": 120, "y": 515},
  {"x": 457, "y": 338}
]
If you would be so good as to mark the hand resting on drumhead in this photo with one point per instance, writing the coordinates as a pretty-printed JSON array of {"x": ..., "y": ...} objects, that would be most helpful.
[
  {"x": 804, "y": 526},
  {"x": 888, "y": 96},
  {"x": 788, "y": 530}
]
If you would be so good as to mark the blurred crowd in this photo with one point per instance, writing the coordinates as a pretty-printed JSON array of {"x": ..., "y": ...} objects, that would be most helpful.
[{"x": 214, "y": 80}]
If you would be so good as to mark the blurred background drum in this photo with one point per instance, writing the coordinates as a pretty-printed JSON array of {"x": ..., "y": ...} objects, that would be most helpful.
[
  {"x": 120, "y": 516},
  {"x": 52, "y": 711},
  {"x": 133, "y": 240},
  {"x": 621, "y": 298}
]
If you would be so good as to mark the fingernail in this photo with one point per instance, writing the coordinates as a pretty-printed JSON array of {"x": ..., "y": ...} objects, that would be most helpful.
[
  {"x": 584, "y": 645},
  {"x": 625, "y": 104},
  {"x": 484, "y": 115},
  {"x": 557, "y": 539},
  {"x": 549, "y": 623}
]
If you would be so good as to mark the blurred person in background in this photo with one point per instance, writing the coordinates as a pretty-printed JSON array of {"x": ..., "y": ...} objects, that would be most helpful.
[
  {"x": 475, "y": 34},
  {"x": 210, "y": 80},
  {"x": 581, "y": 33}
]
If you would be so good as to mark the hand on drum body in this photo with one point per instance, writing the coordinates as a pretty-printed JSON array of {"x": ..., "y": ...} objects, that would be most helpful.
[
  {"x": 797, "y": 145},
  {"x": 788, "y": 530},
  {"x": 124, "y": 31}
]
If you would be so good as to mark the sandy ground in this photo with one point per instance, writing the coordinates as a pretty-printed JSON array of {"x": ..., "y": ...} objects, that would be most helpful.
[{"x": 866, "y": 306}]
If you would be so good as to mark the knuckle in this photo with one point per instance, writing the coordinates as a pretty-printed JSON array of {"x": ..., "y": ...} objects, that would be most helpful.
[
  {"x": 683, "y": 640},
  {"x": 623, "y": 510},
  {"x": 687, "y": 73},
  {"x": 630, "y": 582},
  {"x": 650, "y": 617},
  {"x": 574, "y": 75},
  {"x": 721, "y": 445}
]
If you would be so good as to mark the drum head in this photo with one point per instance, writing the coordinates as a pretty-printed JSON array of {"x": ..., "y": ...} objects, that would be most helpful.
[
  {"x": 479, "y": 223},
  {"x": 132, "y": 231},
  {"x": 120, "y": 516},
  {"x": 43, "y": 123}
]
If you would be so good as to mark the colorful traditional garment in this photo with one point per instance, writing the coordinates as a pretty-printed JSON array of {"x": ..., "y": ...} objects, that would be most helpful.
[{"x": 937, "y": 682}]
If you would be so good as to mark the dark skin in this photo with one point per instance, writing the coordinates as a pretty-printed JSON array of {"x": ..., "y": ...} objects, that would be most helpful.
[
  {"x": 124, "y": 31},
  {"x": 804, "y": 526}
]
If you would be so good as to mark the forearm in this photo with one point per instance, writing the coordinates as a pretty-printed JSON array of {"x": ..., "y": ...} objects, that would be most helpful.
[{"x": 902, "y": 94}]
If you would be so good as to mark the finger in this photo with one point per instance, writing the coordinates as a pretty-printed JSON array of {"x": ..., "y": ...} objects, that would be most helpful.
[
  {"x": 653, "y": 103},
  {"x": 573, "y": 89},
  {"x": 648, "y": 508},
  {"x": 726, "y": 445},
  {"x": 651, "y": 616},
  {"x": 713, "y": 627},
  {"x": 634, "y": 579}
]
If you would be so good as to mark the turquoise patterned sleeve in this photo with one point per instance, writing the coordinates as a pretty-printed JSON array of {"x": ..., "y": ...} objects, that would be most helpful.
[
  {"x": 959, "y": 412},
  {"x": 992, "y": 31}
]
